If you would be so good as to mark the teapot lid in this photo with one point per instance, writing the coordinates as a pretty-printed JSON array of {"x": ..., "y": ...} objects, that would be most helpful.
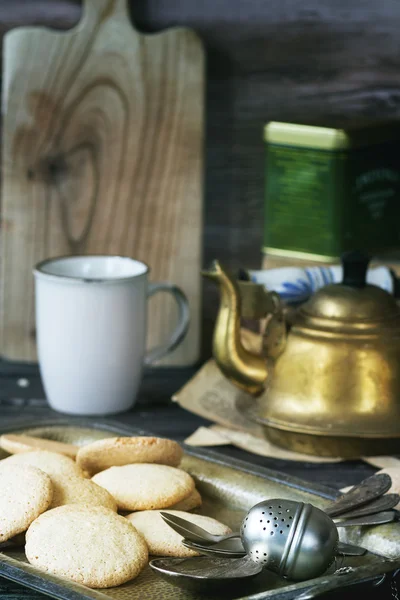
[{"x": 353, "y": 301}]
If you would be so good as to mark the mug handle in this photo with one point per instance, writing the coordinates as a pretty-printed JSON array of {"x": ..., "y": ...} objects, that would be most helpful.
[{"x": 182, "y": 327}]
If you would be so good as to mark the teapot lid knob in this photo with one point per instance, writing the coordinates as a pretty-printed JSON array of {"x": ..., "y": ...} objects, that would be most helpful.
[
  {"x": 344, "y": 306},
  {"x": 355, "y": 266}
]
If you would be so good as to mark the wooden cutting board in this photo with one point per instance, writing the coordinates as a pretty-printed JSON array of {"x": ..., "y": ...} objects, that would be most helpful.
[{"x": 102, "y": 153}]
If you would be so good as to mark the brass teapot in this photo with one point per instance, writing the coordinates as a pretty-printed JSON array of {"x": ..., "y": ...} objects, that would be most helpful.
[{"x": 328, "y": 380}]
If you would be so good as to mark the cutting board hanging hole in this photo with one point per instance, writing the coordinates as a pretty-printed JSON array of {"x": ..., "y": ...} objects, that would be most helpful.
[{"x": 103, "y": 10}]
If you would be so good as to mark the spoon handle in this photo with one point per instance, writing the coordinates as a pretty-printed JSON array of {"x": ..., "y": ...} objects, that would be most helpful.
[
  {"x": 191, "y": 531},
  {"x": 378, "y": 519},
  {"x": 216, "y": 549},
  {"x": 385, "y": 502},
  {"x": 350, "y": 549},
  {"x": 210, "y": 551}
]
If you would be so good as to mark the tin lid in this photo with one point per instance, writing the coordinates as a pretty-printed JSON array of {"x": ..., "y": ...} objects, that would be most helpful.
[{"x": 330, "y": 138}]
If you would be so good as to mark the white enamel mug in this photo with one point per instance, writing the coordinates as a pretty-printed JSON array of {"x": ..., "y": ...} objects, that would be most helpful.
[{"x": 91, "y": 322}]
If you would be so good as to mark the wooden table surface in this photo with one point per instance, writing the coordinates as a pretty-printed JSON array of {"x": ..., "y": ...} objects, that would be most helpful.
[{"x": 22, "y": 399}]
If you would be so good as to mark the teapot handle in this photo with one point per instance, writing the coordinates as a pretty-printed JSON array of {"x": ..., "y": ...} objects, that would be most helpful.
[
  {"x": 275, "y": 330},
  {"x": 260, "y": 304}
]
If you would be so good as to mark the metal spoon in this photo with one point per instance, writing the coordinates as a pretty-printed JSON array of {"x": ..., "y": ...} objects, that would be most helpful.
[
  {"x": 233, "y": 547},
  {"x": 385, "y": 502},
  {"x": 361, "y": 494},
  {"x": 379, "y": 519},
  {"x": 193, "y": 532},
  {"x": 370, "y": 488},
  {"x": 228, "y": 550},
  {"x": 212, "y": 551},
  {"x": 199, "y": 535},
  {"x": 210, "y": 576}
]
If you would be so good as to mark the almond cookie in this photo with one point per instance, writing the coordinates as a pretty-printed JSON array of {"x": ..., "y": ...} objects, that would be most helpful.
[
  {"x": 26, "y": 492},
  {"x": 118, "y": 451},
  {"x": 146, "y": 486},
  {"x": 63, "y": 472},
  {"x": 14, "y": 444},
  {"x": 76, "y": 490},
  {"x": 189, "y": 503},
  {"x": 51, "y": 463},
  {"x": 162, "y": 540},
  {"x": 89, "y": 545}
]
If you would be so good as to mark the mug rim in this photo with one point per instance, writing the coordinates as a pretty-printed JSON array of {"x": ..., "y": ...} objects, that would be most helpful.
[{"x": 38, "y": 269}]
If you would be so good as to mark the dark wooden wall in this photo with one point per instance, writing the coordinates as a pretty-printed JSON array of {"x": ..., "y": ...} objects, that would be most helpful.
[{"x": 301, "y": 60}]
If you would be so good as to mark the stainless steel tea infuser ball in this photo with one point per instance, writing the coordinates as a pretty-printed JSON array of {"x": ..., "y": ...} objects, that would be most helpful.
[{"x": 294, "y": 539}]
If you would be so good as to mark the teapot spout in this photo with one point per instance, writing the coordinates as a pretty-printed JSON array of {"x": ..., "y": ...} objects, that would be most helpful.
[{"x": 246, "y": 370}]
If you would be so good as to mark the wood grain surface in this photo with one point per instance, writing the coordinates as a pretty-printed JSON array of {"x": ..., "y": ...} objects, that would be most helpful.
[
  {"x": 102, "y": 154},
  {"x": 309, "y": 61}
]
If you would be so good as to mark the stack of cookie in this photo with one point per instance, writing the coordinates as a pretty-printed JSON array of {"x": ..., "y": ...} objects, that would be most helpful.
[{"x": 92, "y": 514}]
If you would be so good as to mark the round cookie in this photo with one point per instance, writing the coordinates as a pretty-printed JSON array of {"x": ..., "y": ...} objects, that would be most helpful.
[
  {"x": 51, "y": 463},
  {"x": 26, "y": 492},
  {"x": 162, "y": 540},
  {"x": 76, "y": 490},
  {"x": 62, "y": 470},
  {"x": 118, "y": 451},
  {"x": 189, "y": 503},
  {"x": 14, "y": 444},
  {"x": 89, "y": 545},
  {"x": 145, "y": 486}
]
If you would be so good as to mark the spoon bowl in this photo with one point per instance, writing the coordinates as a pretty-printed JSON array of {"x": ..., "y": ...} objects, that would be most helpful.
[
  {"x": 361, "y": 494},
  {"x": 209, "y": 575},
  {"x": 194, "y": 532}
]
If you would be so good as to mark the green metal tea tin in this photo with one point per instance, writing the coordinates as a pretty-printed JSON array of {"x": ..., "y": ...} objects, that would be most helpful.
[{"x": 331, "y": 190}]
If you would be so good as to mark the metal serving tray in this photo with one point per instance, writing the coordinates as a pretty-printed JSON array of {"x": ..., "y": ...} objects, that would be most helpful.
[{"x": 229, "y": 488}]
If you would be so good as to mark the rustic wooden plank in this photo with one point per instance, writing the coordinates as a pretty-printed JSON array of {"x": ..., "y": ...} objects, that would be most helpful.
[
  {"x": 102, "y": 155},
  {"x": 302, "y": 61},
  {"x": 281, "y": 41}
]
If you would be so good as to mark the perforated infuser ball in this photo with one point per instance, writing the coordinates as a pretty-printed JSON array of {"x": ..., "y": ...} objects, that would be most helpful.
[{"x": 294, "y": 539}]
